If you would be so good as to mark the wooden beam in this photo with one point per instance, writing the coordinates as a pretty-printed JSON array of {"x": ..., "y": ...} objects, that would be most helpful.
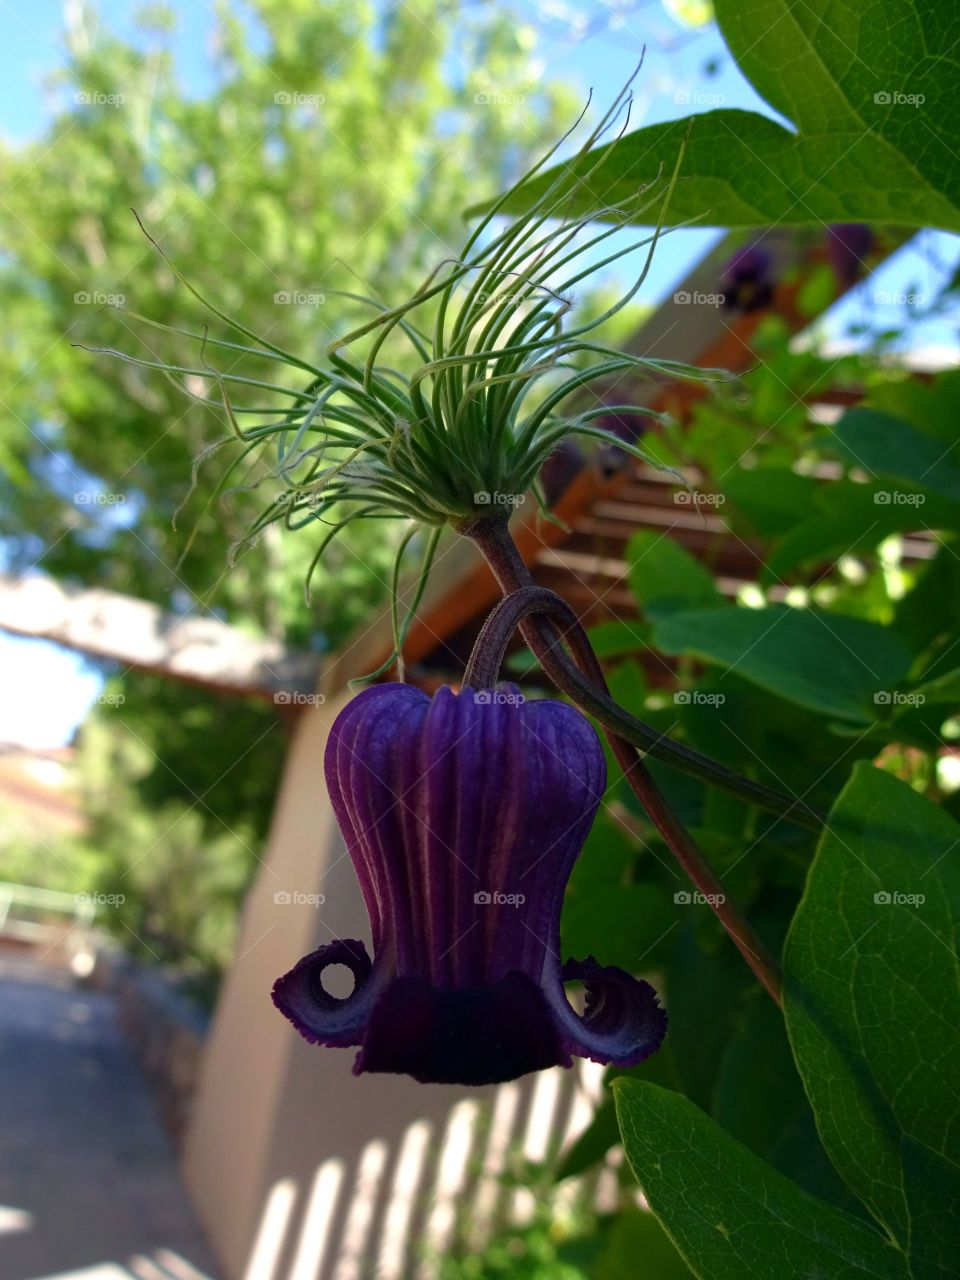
[{"x": 141, "y": 635}]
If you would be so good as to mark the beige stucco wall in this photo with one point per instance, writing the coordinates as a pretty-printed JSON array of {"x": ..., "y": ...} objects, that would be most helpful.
[{"x": 244, "y": 1081}]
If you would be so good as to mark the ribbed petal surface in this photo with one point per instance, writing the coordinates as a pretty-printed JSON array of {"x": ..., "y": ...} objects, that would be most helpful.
[{"x": 463, "y": 815}]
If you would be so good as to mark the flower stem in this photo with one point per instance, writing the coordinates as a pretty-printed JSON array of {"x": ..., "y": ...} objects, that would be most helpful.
[
  {"x": 493, "y": 539},
  {"x": 530, "y": 604}
]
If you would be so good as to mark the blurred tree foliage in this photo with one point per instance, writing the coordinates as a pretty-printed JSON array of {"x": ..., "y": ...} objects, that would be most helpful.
[
  {"x": 329, "y": 153},
  {"x": 327, "y": 149}
]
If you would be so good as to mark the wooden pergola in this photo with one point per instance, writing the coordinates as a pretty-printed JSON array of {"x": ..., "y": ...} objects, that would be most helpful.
[{"x": 601, "y": 506}]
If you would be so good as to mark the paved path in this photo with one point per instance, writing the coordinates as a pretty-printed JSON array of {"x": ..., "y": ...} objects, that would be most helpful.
[{"x": 88, "y": 1180}]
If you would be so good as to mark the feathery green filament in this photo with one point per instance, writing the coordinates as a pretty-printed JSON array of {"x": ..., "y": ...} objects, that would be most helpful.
[{"x": 478, "y": 406}]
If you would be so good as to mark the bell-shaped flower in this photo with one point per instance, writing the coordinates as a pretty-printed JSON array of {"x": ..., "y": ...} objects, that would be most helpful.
[{"x": 464, "y": 814}]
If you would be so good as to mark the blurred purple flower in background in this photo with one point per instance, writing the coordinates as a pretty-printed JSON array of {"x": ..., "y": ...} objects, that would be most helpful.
[{"x": 747, "y": 280}]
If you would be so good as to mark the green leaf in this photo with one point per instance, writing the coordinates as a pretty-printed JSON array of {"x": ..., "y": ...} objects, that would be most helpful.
[
  {"x": 759, "y": 1100},
  {"x": 707, "y": 985},
  {"x": 636, "y": 1234},
  {"x": 616, "y": 639},
  {"x": 887, "y": 446},
  {"x": 665, "y": 577},
  {"x": 945, "y": 688},
  {"x": 873, "y": 1008},
  {"x": 828, "y": 662},
  {"x": 932, "y": 406},
  {"x": 620, "y": 924},
  {"x": 728, "y": 1212},
  {"x": 853, "y": 153},
  {"x": 773, "y": 499},
  {"x": 628, "y": 686},
  {"x": 849, "y": 517},
  {"x": 931, "y": 611}
]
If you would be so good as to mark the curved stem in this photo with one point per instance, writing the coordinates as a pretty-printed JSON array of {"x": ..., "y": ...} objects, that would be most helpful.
[
  {"x": 520, "y": 608},
  {"x": 492, "y": 537}
]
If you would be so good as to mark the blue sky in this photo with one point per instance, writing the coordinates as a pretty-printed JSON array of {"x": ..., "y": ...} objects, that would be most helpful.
[{"x": 45, "y": 691}]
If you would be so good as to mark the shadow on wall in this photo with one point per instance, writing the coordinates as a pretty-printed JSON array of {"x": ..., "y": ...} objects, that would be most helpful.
[{"x": 394, "y": 1214}]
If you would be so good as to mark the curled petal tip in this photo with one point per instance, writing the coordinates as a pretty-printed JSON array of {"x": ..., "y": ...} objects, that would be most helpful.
[
  {"x": 320, "y": 1016},
  {"x": 622, "y": 1022}
]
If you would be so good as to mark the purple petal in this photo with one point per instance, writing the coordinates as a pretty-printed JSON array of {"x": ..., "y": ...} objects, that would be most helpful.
[
  {"x": 463, "y": 815},
  {"x": 622, "y": 1022},
  {"x": 323, "y": 1018},
  {"x": 469, "y": 1036}
]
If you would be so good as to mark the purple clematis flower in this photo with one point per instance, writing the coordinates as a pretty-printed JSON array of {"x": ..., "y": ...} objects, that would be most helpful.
[
  {"x": 747, "y": 280},
  {"x": 463, "y": 815}
]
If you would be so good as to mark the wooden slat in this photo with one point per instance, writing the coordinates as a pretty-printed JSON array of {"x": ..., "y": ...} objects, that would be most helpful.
[{"x": 141, "y": 635}]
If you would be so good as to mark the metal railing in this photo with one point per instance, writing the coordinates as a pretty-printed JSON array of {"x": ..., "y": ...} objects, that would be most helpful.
[{"x": 47, "y": 919}]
